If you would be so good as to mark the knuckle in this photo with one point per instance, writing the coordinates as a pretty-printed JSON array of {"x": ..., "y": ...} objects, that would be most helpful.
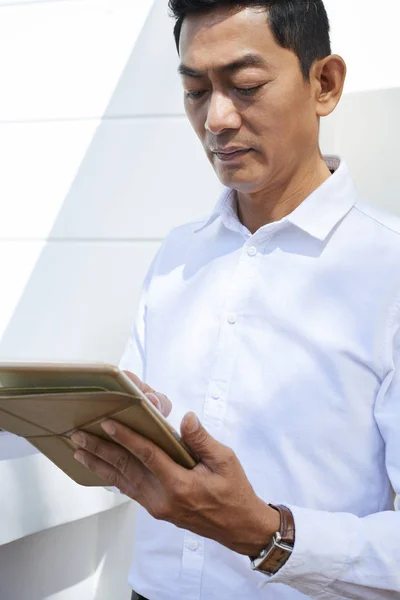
[
  {"x": 88, "y": 460},
  {"x": 230, "y": 454},
  {"x": 122, "y": 463},
  {"x": 156, "y": 513},
  {"x": 160, "y": 513},
  {"x": 87, "y": 442},
  {"x": 94, "y": 446},
  {"x": 147, "y": 455},
  {"x": 114, "y": 479},
  {"x": 179, "y": 490},
  {"x": 230, "y": 458},
  {"x": 202, "y": 437}
]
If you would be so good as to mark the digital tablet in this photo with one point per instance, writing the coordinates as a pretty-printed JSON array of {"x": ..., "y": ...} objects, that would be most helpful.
[{"x": 46, "y": 402}]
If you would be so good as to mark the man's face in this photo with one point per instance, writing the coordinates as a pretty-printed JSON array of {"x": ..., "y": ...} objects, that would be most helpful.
[{"x": 246, "y": 98}]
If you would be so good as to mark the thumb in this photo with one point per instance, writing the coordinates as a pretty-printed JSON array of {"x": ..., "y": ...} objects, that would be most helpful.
[{"x": 210, "y": 452}]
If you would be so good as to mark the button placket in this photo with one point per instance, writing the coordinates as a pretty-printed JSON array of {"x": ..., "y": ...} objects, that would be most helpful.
[
  {"x": 215, "y": 405},
  {"x": 193, "y": 545},
  {"x": 215, "y": 393},
  {"x": 192, "y": 567}
]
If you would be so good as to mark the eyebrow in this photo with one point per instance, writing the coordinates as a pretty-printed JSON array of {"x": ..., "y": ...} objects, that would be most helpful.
[{"x": 250, "y": 60}]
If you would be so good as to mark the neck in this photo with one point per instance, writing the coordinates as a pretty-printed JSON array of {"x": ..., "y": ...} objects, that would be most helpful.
[{"x": 279, "y": 199}]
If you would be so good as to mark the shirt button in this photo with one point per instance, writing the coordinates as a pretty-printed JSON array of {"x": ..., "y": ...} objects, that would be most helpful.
[
  {"x": 193, "y": 545},
  {"x": 232, "y": 318},
  {"x": 215, "y": 393},
  {"x": 252, "y": 251}
]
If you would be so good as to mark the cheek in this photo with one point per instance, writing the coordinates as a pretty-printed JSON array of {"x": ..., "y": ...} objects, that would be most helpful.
[
  {"x": 270, "y": 115},
  {"x": 281, "y": 119}
]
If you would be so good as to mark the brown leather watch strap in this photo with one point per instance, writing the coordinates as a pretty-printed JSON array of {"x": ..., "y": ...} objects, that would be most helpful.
[
  {"x": 286, "y": 528},
  {"x": 272, "y": 558}
]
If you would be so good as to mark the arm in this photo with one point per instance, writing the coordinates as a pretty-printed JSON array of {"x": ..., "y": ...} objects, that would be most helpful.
[
  {"x": 336, "y": 555},
  {"x": 343, "y": 556}
]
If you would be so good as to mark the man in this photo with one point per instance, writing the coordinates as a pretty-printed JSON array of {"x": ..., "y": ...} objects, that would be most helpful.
[{"x": 276, "y": 321}]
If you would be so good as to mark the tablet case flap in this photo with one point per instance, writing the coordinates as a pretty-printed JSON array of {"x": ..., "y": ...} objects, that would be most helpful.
[
  {"x": 48, "y": 420},
  {"x": 45, "y": 419},
  {"x": 60, "y": 451},
  {"x": 39, "y": 414}
]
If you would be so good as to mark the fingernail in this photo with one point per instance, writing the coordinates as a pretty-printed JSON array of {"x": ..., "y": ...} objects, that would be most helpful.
[
  {"x": 79, "y": 439},
  {"x": 192, "y": 423},
  {"x": 79, "y": 457},
  {"x": 109, "y": 427},
  {"x": 154, "y": 400}
]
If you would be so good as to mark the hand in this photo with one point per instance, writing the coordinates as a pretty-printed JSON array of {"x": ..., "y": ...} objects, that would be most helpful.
[{"x": 214, "y": 500}]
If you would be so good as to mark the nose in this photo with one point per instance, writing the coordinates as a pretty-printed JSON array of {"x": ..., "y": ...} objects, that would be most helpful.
[{"x": 221, "y": 114}]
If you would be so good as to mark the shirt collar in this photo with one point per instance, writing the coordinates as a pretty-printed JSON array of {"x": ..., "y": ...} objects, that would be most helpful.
[{"x": 317, "y": 215}]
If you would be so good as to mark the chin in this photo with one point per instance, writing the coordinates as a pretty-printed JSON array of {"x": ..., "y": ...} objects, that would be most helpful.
[{"x": 247, "y": 183}]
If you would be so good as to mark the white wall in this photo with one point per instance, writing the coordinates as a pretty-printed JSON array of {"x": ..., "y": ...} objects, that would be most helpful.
[
  {"x": 98, "y": 163},
  {"x": 365, "y": 33},
  {"x": 90, "y": 184},
  {"x": 83, "y": 560},
  {"x": 364, "y": 128}
]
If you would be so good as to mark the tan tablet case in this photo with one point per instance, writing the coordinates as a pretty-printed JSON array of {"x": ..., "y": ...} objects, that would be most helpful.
[{"x": 47, "y": 419}]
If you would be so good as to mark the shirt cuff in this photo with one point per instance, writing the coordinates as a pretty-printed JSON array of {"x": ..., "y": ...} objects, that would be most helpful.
[{"x": 322, "y": 548}]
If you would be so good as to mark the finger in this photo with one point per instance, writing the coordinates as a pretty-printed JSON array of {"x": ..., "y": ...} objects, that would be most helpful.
[
  {"x": 143, "y": 387},
  {"x": 164, "y": 406},
  {"x": 150, "y": 456},
  {"x": 112, "y": 454},
  {"x": 111, "y": 476},
  {"x": 161, "y": 402},
  {"x": 212, "y": 453}
]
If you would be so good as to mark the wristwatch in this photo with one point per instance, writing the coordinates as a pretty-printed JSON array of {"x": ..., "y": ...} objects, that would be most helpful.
[{"x": 278, "y": 551}]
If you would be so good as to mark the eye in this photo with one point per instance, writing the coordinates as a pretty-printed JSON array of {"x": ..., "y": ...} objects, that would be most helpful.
[
  {"x": 248, "y": 91},
  {"x": 194, "y": 95}
]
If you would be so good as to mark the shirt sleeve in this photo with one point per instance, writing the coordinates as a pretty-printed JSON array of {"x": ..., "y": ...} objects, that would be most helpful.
[
  {"x": 339, "y": 555},
  {"x": 134, "y": 356}
]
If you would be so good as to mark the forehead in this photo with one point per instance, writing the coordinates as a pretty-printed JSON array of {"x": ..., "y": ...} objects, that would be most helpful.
[{"x": 220, "y": 36}]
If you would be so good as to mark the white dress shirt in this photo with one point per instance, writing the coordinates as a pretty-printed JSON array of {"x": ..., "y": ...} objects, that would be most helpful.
[{"x": 286, "y": 344}]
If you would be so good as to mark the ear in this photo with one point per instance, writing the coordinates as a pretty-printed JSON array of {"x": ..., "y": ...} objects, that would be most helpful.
[{"x": 328, "y": 76}]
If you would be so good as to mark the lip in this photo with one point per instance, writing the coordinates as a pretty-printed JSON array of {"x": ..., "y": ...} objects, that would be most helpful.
[{"x": 232, "y": 153}]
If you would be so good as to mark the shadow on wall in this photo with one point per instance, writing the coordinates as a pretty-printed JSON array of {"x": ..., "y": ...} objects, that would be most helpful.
[
  {"x": 81, "y": 295},
  {"x": 112, "y": 536},
  {"x": 98, "y": 563},
  {"x": 78, "y": 304},
  {"x": 120, "y": 195},
  {"x": 66, "y": 566}
]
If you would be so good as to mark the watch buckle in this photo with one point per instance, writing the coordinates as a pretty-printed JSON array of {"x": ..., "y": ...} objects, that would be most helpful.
[{"x": 276, "y": 543}]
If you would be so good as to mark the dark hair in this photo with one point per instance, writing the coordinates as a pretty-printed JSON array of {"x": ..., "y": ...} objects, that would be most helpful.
[{"x": 298, "y": 25}]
